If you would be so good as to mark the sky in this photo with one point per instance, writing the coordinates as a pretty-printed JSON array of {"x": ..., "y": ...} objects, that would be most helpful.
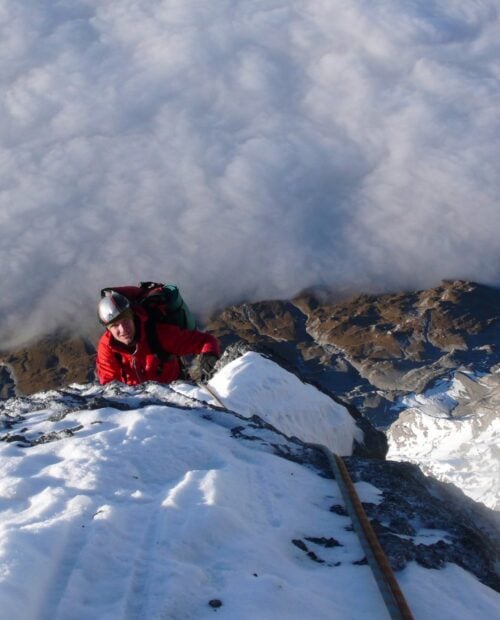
[
  {"x": 153, "y": 512},
  {"x": 244, "y": 149}
]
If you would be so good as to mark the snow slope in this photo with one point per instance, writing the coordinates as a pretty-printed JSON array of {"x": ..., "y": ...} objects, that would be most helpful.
[
  {"x": 156, "y": 507},
  {"x": 452, "y": 432},
  {"x": 280, "y": 398}
]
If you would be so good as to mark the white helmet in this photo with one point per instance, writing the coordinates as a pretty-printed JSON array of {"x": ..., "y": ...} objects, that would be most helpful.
[{"x": 111, "y": 306}]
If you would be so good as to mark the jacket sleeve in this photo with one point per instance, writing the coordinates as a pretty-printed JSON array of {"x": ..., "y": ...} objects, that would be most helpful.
[
  {"x": 107, "y": 366},
  {"x": 186, "y": 341}
]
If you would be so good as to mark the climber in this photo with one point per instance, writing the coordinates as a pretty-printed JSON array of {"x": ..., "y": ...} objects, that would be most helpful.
[{"x": 135, "y": 349}]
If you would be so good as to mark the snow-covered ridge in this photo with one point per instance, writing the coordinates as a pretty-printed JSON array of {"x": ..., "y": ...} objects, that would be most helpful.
[
  {"x": 280, "y": 398},
  {"x": 128, "y": 503}
]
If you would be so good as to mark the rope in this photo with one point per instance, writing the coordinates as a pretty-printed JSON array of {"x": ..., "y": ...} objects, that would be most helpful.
[
  {"x": 212, "y": 392},
  {"x": 386, "y": 581},
  {"x": 384, "y": 576}
]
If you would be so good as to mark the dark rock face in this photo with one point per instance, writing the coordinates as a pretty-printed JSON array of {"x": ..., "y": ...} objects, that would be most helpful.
[
  {"x": 412, "y": 503},
  {"x": 7, "y": 382}
]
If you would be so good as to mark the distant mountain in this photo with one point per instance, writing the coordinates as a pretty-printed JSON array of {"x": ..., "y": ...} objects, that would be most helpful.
[
  {"x": 452, "y": 432},
  {"x": 373, "y": 349}
]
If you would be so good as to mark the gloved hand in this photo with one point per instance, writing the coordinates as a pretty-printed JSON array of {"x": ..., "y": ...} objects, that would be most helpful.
[{"x": 207, "y": 363}]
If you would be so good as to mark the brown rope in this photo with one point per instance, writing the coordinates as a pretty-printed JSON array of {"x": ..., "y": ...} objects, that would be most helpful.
[
  {"x": 213, "y": 393},
  {"x": 382, "y": 571},
  {"x": 384, "y": 576}
]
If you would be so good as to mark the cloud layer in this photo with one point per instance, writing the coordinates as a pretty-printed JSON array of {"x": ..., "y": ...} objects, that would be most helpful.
[{"x": 245, "y": 149}]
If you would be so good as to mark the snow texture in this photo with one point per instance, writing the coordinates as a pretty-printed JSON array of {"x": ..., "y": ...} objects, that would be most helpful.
[
  {"x": 280, "y": 401},
  {"x": 131, "y": 503},
  {"x": 452, "y": 431}
]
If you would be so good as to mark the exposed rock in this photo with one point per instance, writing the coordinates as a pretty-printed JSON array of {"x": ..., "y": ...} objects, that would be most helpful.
[
  {"x": 421, "y": 519},
  {"x": 7, "y": 382},
  {"x": 53, "y": 361}
]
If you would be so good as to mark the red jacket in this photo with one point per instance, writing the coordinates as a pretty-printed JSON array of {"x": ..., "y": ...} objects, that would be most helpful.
[{"x": 116, "y": 363}]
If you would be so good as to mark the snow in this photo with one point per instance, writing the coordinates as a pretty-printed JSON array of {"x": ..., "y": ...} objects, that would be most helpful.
[
  {"x": 279, "y": 400},
  {"x": 426, "y": 588},
  {"x": 155, "y": 511},
  {"x": 460, "y": 450}
]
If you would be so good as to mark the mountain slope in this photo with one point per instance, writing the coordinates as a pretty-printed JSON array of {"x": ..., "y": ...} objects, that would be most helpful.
[
  {"x": 151, "y": 502},
  {"x": 378, "y": 353},
  {"x": 452, "y": 431},
  {"x": 372, "y": 349}
]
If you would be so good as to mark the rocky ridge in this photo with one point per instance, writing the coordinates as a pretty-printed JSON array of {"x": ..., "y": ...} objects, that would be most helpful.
[{"x": 51, "y": 362}]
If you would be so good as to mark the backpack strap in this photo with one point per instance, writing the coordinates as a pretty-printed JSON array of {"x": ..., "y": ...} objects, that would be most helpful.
[
  {"x": 154, "y": 343},
  {"x": 162, "y": 354}
]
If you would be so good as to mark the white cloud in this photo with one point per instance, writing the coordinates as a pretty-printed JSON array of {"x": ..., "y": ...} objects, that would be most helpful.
[{"x": 244, "y": 149}]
